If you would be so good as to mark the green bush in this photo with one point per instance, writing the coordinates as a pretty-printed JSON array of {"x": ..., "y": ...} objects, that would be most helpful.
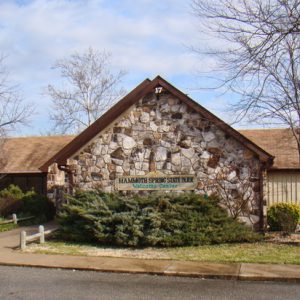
[
  {"x": 152, "y": 220},
  {"x": 10, "y": 200},
  {"x": 283, "y": 217},
  {"x": 37, "y": 205},
  {"x": 13, "y": 200}
]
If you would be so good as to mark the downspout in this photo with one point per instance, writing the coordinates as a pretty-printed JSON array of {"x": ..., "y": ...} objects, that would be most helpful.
[
  {"x": 261, "y": 199},
  {"x": 263, "y": 168}
]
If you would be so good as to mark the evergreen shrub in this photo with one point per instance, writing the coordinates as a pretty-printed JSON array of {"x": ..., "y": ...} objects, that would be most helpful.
[
  {"x": 14, "y": 200},
  {"x": 10, "y": 200},
  {"x": 153, "y": 220},
  {"x": 34, "y": 204},
  {"x": 283, "y": 217}
]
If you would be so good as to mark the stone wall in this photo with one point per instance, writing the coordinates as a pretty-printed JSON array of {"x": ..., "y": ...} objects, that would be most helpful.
[
  {"x": 55, "y": 176},
  {"x": 167, "y": 136},
  {"x": 57, "y": 185}
]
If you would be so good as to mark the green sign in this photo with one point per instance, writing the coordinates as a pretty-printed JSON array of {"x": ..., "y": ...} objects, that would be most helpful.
[{"x": 156, "y": 181}]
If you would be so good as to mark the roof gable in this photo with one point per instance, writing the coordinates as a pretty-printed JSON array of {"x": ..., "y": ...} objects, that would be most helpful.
[{"x": 130, "y": 99}]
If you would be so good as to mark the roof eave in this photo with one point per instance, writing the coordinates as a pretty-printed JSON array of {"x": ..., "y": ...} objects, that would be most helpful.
[{"x": 22, "y": 172}]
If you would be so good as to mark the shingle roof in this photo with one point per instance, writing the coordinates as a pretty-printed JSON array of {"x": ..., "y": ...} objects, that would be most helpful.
[
  {"x": 280, "y": 143},
  {"x": 27, "y": 154}
]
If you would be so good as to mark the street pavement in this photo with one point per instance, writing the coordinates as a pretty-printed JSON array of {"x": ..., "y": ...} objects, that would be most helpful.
[{"x": 43, "y": 284}]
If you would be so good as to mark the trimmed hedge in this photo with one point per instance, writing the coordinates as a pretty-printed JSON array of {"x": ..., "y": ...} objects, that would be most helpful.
[
  {"x": 283, "y": 217},
  {"x": 152, "y": 220}
]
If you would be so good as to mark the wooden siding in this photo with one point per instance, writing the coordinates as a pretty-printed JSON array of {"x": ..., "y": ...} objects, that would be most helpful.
[
  {"x": 26, "y": 182},
  {"x": 283, "y": 186}
]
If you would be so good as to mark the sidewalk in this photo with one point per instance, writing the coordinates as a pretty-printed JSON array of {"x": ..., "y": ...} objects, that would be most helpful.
[{"x": 10, "y": 255}]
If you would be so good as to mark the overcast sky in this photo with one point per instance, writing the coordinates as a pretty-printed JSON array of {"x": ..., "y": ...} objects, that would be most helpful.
[{"x": 145, "y": 37}]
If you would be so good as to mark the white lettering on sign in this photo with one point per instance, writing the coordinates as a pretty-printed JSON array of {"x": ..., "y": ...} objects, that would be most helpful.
[{"x": 156, "y": 181}]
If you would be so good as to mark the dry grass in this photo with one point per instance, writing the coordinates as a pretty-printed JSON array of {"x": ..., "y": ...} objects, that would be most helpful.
[{"x": 262, "y": 252}]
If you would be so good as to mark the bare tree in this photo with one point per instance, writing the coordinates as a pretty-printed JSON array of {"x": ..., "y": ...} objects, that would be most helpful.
[
  {"x": 91, "y": 88},
  {"x": 13, "y": 111},
  {"x": 260, "y": 57},
  {"x": 235, "y": 190}
]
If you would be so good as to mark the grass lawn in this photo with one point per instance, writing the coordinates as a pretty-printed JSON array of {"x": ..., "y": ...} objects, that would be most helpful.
[
  {"x": 262, "y": 252},
  {"x": 7, "y": 227}
]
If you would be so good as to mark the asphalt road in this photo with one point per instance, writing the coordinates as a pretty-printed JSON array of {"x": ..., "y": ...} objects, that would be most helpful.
[{"x": 43, "y": 284}]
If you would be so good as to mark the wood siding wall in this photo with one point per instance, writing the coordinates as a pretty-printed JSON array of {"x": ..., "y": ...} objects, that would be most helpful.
[
  {"x": 26, "y": 182},
  {"x": 283, "y": 186}
]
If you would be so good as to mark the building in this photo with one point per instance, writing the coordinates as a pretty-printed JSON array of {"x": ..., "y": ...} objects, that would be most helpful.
[
  {"x": 283, "y": 178},
  {"x": 156, "y": 133},
  {"x": 156, "y": 137},
  {"x": 23, "y": 157}
]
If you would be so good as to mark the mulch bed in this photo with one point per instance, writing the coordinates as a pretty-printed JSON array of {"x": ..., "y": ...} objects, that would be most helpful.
[{"x": 279, "y": 238}]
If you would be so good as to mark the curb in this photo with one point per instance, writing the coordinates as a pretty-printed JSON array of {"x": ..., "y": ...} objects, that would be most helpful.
[
  {"x": 238, "y": 277},
  {"x": 269, "y": 278},
  {"x": 152, "y": 273},
  {"x": 176, "y": 268}
]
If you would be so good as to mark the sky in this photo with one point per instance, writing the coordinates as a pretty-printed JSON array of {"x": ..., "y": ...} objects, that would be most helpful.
[{"x": 146, "y": 38}]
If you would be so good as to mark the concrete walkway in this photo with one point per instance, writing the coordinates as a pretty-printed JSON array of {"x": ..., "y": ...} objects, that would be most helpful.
[{"x": 11, "y": 255}]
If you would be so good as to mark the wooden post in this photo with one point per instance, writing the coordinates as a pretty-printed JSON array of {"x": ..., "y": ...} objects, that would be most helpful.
[
  {"x": 23, "y": 240},
  {"x": 42, "y": 234},
  {"x": 14, "y": 216}
]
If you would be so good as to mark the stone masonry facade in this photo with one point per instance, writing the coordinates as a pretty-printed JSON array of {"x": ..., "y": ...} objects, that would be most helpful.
[{"x": 163, "y": 134}]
